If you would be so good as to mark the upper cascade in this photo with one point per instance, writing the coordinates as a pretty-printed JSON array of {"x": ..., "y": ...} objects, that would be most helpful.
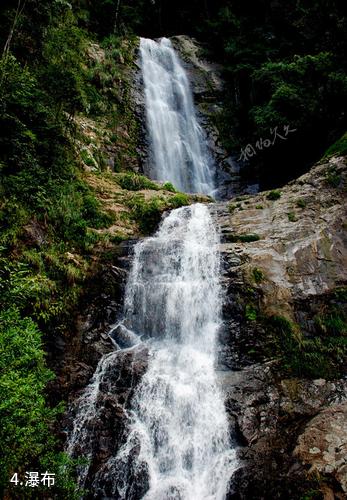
[{"x": 178, "y": 143}]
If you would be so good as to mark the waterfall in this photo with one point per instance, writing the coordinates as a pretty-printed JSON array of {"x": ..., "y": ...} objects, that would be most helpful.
[
  {"x": 179, "y": 422},
  {"x": 178, "y": 143},
  {"x": 177, "y": 444}
]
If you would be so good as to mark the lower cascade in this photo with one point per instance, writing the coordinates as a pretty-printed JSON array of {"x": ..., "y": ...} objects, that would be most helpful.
[{"x": 178, "y": 435}]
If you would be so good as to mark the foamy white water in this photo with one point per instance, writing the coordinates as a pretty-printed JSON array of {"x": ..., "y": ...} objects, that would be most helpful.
[
  {"x": 178, "y": 444},
  {"x": 179, "y": 425},
  {"x": 79, "y": 442},
  {"x": 178, "y": 144}
]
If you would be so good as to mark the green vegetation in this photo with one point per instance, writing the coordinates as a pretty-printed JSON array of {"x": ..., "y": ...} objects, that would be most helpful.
[
  {"x": 287, "y": 82},
  {"x": 301, "y": 203},
  {"x": 167, "y": 186},
  {"x": 179, "y": 200},
  {"x": 25, "y": 415},
  {"x": 274, "y": 195},
  {"x": 147, "y": 213},
  {"x": 65, "y": 100},
  {"x": 338, "y": 148},
  {"x": 332, "y": 177},
  {"x": 250, "y": 312},
  {"x": 243, "y": 238},
  {"x": 231, "y": 208},
  {"x": 291, "y": 217},
  {"x": 258, "y": 275},
  {"x": 49, "y": 218},
  {"x": 135, "y": 182},
  {"x": 313, "y": 494},
  {"x": 322, "y": 355},
  {"x": 332, "y": 322},
  {"x": 25, "y": 418},
  {"x": 340, "y": 294},
  {"x": 259, "y": 207}
]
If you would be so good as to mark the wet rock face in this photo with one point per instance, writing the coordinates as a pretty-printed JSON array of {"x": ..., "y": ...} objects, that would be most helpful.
[
  {"x": 104, "y": 430},
  {"x": 104, "y": 425},
  {"x": 207, "y": 85},
  {"x": 75, "y": 355},
  {"x": 139, "y": 110},
  {"x": 285, "y": 426}
]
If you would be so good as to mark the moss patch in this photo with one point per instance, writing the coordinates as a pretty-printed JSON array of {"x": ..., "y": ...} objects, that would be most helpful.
[
  {"x": 243, "y": 238},
  {"x": 338, "y": 148},
  {"x": 274, "y": 195},
  {"x": 322, "y": 355}
]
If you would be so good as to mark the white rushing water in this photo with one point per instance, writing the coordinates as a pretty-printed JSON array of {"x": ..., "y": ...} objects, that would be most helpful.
[
  {"x": 178, "y": 444},
  {"x": 178, "y": 143},
  {"x": 79, "y": 439},
  {"x": 179, "y": 422}
]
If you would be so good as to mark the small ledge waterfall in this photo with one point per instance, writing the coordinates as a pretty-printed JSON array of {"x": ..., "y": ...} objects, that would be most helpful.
[{"x": 178, "y": 143}]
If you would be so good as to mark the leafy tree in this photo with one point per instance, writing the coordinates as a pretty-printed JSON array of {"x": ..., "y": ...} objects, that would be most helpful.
[
  {"x": 25, "y": 416},
  {"x": 303, "y": 92},
  {"x": 63, "y": 70}
]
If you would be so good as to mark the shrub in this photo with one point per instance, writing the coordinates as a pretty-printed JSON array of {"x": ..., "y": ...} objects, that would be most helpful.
[
  {"x": 338, "y": 148},
  {"x": 27, "y": 442},
  {"x": 231, "y": 208},
  {"x": 135, "y": 182},
  {"x": 250, "y": 312},
  {"x": 332, "y": 322},
  {"x": 147, "y": 213},
  {"x": 179, "y": 200},
  {"x": 291, "y": 217},
  {"x": 321, "y": 356},
  {"x": 274, "y": 195},
  {"x": 259, "y": 207},
  {"x": 333, "y": 178},
  {"x": 25, "y": 416},
  {"x": 258, "y": 275},
  {"x": 87, "y": 158},
  {"x": 340, "y": 293},
  {"x": 301, "y": 203},
  {"x": 167, "y": 186}
]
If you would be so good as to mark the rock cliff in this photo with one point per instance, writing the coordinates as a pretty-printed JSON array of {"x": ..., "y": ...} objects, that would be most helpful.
[{"x": 284, "y": 258}]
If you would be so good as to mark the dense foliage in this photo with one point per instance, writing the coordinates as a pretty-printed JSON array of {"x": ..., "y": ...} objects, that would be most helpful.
[
  {"x": 286, "y": 66},
  {"x": 46, "y": 211}
]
